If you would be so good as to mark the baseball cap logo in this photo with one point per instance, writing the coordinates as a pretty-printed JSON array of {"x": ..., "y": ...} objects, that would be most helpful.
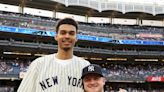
[{"x": 91, "y": 68}]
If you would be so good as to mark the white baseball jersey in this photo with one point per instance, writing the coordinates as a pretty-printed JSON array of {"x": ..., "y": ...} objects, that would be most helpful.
[{"x": 46, "y": 74}]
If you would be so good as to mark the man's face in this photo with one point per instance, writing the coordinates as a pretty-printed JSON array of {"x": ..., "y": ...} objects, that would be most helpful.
[
  {"x": 66, "y": 36},
  {"x": 93, "y": 83}
]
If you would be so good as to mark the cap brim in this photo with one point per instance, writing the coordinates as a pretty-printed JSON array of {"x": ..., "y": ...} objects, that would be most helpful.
[{"x": 91, "y": 73}]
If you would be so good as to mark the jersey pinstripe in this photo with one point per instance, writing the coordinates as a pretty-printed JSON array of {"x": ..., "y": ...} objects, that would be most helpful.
[{"x": 46, "y": 75}]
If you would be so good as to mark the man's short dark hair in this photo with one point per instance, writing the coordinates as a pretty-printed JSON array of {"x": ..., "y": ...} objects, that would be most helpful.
[{"x": 69, "y": 21}]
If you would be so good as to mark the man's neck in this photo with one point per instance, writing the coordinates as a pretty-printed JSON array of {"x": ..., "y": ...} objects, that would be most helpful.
[{"x": 61, "y": 54}]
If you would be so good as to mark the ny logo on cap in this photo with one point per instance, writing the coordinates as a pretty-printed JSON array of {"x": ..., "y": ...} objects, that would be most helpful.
[{"x": 91, "y": 68}]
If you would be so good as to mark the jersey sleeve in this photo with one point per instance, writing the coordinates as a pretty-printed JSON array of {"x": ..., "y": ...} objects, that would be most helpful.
[{"x": 28, "y": 83}]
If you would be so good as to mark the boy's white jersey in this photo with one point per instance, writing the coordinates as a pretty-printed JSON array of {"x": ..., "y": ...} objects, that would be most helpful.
[{"x": 47, "y": 75}]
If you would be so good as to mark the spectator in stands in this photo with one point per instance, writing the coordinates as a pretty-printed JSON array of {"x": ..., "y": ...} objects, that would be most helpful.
[
  {"x": 122, "y": 90},
  {"x": 93, "y": 79}
]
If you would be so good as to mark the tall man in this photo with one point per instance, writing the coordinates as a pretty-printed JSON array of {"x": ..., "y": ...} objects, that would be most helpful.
[
  {"x": 59, "y": 72},
  {"x": 93, "y": 79}
]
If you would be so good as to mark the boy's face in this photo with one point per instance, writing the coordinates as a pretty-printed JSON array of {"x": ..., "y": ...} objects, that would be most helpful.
[{"x": 93, "y": 83}]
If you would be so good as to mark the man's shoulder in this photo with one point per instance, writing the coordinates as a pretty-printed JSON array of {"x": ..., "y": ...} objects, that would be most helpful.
[
  {"x": 81, "y": 60},
  {"x": 44, "y": 58}
]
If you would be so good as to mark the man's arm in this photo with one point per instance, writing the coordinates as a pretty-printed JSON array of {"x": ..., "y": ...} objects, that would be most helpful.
[{"x": 28, "y": 83}]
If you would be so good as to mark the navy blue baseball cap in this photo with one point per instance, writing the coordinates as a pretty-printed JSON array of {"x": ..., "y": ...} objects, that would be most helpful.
[{"x": 92, "y": 69}]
